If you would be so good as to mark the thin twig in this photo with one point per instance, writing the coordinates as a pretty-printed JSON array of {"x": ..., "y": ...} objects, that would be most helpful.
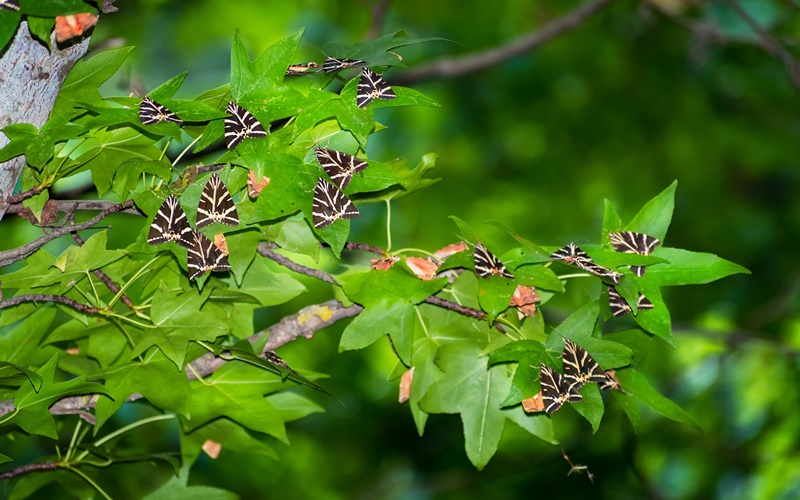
[
  {"x": 457, "y": 66},
  {"x": 365, "y": 247},
  {"x": 769, "y": 44},
  {"x": 36, "y": 297},
  {"x": 105, "y": 279},
  {"x": 24, "y": 469},
  {"x": 466, "y": 311},
  {"x": 265, "y": 249},
  {"x": 11, "y": 256},
  {"x": 67, "y": 206}
]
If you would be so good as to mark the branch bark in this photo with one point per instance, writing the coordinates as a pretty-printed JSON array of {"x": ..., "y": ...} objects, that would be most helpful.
[
  {"x": 36, "y": 298},
  {"x": 470, "y": 63},
  {"x": 31, "y": 77}
]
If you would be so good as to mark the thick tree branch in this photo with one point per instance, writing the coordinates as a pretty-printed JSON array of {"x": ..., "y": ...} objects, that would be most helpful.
[
  {"x": 457, "y": 66},
  {"x": 32, "y": 75},
  {"x": 19, "y": 198},
  {"x": 36, "y": 298},
  {"x": 265, "y": 249},
  {"x": 105, "y": 279},
  {"x": 10, "y": 256}
]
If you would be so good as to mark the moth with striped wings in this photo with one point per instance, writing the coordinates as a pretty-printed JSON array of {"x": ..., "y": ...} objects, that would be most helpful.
[
  {"x": 619, "y": 307},
  {"x": 216, "y": 204},
  {"x": 330, "y": 205},
  {"x": 241, "y": 125},
  {"x": 151, "y": 112},
  {"x": 9, "y": 5},
  {"x": 370, "y": 87},
  {"x": 555, "y": 390},
  {"x": 170, "y": 224},
  {"x": 572, "y": 254},
  {"x": 301, "y": 69},
  {"x": 630, "y": 242},
  {"x": 580, "y": 368},
  {"x": 204, "y": 256},
  {"x": 487, "y": 264},
  {"x": 332, "y": 64},
  {"x": 339, "y": 166}
]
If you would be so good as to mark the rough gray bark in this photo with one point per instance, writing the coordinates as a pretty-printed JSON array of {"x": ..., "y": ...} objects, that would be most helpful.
[{"x": 30, "y": 78}]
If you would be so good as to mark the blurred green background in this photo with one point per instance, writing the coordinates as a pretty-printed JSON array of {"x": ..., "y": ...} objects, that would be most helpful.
[{"x": 617, "y": 109}]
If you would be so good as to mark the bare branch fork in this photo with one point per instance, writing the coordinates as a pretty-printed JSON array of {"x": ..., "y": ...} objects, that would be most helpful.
[{"x": 457, "y": 66}]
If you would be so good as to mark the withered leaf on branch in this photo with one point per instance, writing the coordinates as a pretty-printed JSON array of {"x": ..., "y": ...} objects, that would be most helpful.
[{"x": 424, "y": 269}]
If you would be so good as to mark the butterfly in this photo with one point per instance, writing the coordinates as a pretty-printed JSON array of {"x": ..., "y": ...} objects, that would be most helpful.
[
  {"x": 610, "y": 382},
  {"x": 9, "y": 5},
  {"x": 300, "y": 69},
  {"x": 170, "y": 224},
  {"x": 330, "y": 204},
  {"x": 216, "y": 204},
  {"x": 619, "y": 307},
  {"x": 241, "y": 125},
  {"x": 151, "y": 112},
  {"x": 370, "y": 87},
  {"x": 332, "y": 64},
  {"x": 204, "y": 256},
  {"x": 630, "y": 242},
  {"x": 339, "y": 166},
  {"x": 572, "y": 254},
  {"x": 555, "y": 391},
  {"x": 579, "y": 366},
  {"x": 487, "y": 265}
]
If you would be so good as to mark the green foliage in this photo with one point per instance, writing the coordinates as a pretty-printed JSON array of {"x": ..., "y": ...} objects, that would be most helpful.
[{"x": 480, "y": 365}]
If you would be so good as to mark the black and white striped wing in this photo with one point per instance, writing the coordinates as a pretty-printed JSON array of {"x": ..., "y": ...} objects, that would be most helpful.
[
  {"x": 330, "y": 205},
  {"x": 572, "y": 254},
  {"x": 644, "y": 304},
  {"x": 487, "y": 264},
  {"x": 241, "y": 125},
  {"x": 619, "y": 307},
  {"x": 170, "y": 224},
  {"x": 151, "y": 112},
  {"x": 370, "y": 87},
  {"x": 631, "y": 242},
  {"x": 9, "y": 5},
  {"x": 300, "y": 69},
  {"x": 204, "y": 256},
  {"x": 611, "y": 381},
  {"x": 332, "y": 64},
  {"x": 216, "y": 204},
  {"x": 339, "y": 166},
  {"x": 554, "y": 391},
  {"x": 579, "y": 366}
]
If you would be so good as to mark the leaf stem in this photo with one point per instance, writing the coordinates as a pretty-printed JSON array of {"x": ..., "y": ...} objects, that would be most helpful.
[
  {"x": 96, "y": 295},
  {"x": 89, "y": 480},
  {"x": 136, "y": 276},
  {"x": 512, "y": 326},
  {"x": 576, "y": 275},
  {"x": 197, "y": 376},
  {"x": 186, "y": 149},
  {"x": 112, "y": 314},
  {"x": 422, "y": 322},
  {"x": 417, "y": 250},
  {"x": 72, "y": 441},
  {"x": 123, "y": 430},
  {"x": 388, "y": 226}
]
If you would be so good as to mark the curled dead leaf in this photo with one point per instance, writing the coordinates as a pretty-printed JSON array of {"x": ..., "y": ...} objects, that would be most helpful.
[
  {"x": 254, "y": 188},
  {"x": 221, "y": 243},
  {"x": 382, "y": 264},
  {"x": 74, "y": 25},
  {"x": 424, "y": 269},
  {"x": 534, "y": 404},
  {"x": 449, "y": 250},
  {"x": 212, "y": 448},
  {"x": 405, "y": 385}
]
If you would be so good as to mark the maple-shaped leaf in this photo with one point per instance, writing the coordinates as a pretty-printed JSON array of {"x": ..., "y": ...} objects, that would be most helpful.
[{"x": 32, "y": 412}]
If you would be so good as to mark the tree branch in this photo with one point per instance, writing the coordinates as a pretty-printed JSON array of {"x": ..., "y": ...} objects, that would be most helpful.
[
  {"x": 769, "y": 44},
  {"x": 67, "y": 206},
  {"x": 24, "y": 469},
  {"x": 363, "y": 246},
  {"x": 105, "y": 279},
  {"x": 10, "y": 256},
  {"x": 36, "y": 297},
  {"x": 456, "y": 66},
  {"x": 19, "y": 198},
  {"x": 265, "y": 249}
]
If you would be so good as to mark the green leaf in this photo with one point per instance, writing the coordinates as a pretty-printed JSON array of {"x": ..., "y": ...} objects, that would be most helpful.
[
  {"x": 41, "y": 27},
  {"x": 237, "y": 391},
  {"x": 655, "y": 216},
  {"x": 470, "y": 388},
  {"x": 411, "y": 179},
  {"x": 177, "y": 488},
  {"x": 129, "y": 174},
  {"x": 168, "y": 89},
  {"x": 175, "y": 319},
  {"x": 21, "y": 345},
  {"x": 52, "y": 8},
  {"x": 83, "y": 81},
  {"x": 290, "y": 188},
  {"x": 8, "y": 369},
  {"x": 155, "y": 377},
  {"x": 405, "y": 97},
  {"x": 530, "y": 355},
  {"x": 630, "y": 407},
  {"x": 242, "y": 247},
  {"x": 591, "y": 408},
  {"x": 231, "y": 435},
  {"x": 267, "y": 283},
  {"x": 294, "y": 234},
  {"x": 4, "y": 459},
  {"x": 77, "y": 261},
  {"x": 388, "y": 298},
  {"x": 32, "y": 414},
  {"x": 267, "y": 71},
  {"x": 377, "y": 51},
  {"x": 9, "y": 20},
  {"x": 639, "y": 388},
  {"x": 690, "y": 268},
  {"x": 494, "y": 295}
]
